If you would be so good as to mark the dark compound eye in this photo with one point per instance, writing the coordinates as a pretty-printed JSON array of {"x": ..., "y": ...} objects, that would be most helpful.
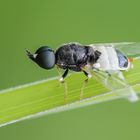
[
  {"x": 43, "y": 49},
  {"x": 44, "y": 57}
]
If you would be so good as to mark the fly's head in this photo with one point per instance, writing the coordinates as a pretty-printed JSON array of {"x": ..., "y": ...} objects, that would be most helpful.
[{"x": 44, "y": 57}]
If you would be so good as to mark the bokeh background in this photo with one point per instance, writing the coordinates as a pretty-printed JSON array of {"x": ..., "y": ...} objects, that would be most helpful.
[{"x": 32, "y": 23}]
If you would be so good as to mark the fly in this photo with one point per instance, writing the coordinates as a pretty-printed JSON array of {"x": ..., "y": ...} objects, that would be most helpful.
[{"x": 100, "y": 61}]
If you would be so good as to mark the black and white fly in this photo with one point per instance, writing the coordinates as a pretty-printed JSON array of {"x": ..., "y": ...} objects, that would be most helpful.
[{"x": 99, "y": 60}]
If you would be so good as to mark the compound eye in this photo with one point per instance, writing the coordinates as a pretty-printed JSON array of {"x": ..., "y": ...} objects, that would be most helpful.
[
  {"x": 45, "y": 57},
  {"x": 43, "y": 49}
]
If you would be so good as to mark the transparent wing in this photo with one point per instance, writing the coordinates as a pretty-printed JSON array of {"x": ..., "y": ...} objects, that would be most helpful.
[
  {"x": 116, "y": 83},
  {"x": 131, "y": 49}
]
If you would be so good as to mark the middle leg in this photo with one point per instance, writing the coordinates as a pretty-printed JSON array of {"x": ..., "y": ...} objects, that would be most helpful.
[{"x": 84, "y": 83}]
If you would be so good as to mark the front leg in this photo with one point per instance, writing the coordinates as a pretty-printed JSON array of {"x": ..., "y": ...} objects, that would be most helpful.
[
  {"x": 64, "y": 76},
  {"x": 64, "y": 83},
  {"x": 62, "y": 80}
]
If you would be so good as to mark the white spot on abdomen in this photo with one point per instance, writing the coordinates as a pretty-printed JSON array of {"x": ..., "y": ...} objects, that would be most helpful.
[{"x": 108, "y": 60}]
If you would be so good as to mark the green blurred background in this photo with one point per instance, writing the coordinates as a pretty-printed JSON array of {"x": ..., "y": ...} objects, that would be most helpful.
[{"x": 31, "y": 23}]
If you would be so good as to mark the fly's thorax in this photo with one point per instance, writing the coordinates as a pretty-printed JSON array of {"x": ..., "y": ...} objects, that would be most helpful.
[{"x": 92, "y": 55}]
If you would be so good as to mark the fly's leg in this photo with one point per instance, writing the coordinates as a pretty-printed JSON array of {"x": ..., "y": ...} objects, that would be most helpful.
[
  {"x": 64, "y": 76},
  {"x": 108, "y": 73},
  {"x": 63, "y": 82},
  {"x": 82, "y": 89},
  {"x": 84, "y": 83},
  {"x": 120, "y": 75},
  {"x": 107, "y": 77}
]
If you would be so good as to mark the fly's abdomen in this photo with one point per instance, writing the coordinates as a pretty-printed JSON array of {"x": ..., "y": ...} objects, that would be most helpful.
[
  {"x": 111, "y": 59},
  {"x": 108, "y": 59},
  {"x": 123, "y": 60}
]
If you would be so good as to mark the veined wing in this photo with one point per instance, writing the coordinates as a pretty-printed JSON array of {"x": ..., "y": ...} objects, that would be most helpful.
[
  {"x": 131, "y": 49},
  {"x": 116, "y": 83}
]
